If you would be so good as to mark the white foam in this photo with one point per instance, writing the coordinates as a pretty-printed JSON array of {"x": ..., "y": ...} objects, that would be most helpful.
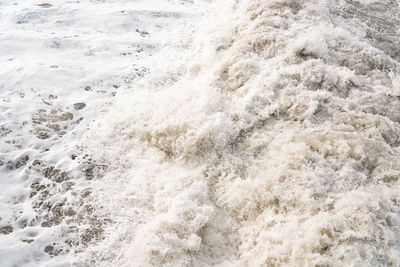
[
  {"x": 277, "y": 146},
  {"x": 264, "y": 133},
  {"x": 62, "y": 62}
]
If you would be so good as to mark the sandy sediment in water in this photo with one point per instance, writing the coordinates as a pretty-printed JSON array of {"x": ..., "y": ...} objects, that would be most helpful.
[{"x": 279, "y": 146}]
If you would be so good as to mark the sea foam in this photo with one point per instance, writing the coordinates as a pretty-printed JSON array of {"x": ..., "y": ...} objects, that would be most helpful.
[{"x": 276, "y": 143}]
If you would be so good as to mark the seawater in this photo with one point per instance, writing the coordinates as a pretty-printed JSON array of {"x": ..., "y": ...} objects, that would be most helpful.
[{"x": 275, "y": 143}]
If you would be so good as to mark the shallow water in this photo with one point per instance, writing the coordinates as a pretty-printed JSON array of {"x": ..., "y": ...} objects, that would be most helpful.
[
  {"x": 267, "y": 136},
  {"x": 62, "y": 64}
]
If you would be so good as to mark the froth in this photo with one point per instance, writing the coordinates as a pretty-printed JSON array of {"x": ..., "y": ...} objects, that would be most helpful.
[{"x": 277, "y": 147}]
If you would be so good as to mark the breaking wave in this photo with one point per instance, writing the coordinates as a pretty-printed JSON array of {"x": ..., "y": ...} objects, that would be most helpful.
[{"x": 276, "y": 143}]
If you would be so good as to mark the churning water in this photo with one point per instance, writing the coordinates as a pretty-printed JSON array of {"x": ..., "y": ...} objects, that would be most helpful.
[
  {"x": 276, "y": 143},
  {"x": 273, "y": 139}
]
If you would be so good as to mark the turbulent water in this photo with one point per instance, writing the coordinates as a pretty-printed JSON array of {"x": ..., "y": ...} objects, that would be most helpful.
[
  {"x": 275, "y": 144},
  {"x": 62, "y": 63},
  {"x": 273, "y": 141}
]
